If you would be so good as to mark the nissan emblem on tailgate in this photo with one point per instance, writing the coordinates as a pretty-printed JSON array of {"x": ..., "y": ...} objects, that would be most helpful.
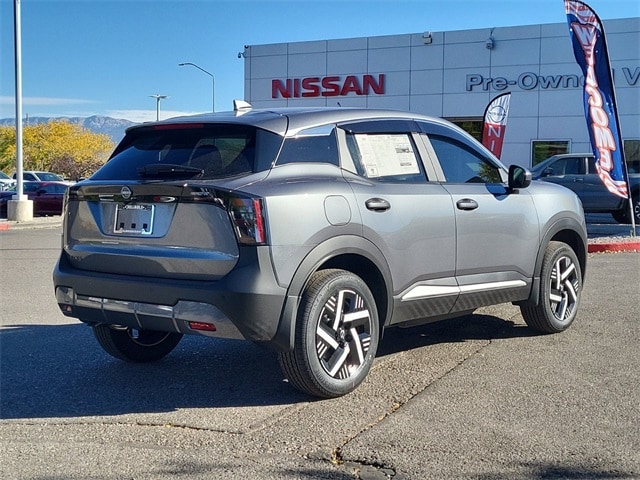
[{"x": 125, "y": 192}]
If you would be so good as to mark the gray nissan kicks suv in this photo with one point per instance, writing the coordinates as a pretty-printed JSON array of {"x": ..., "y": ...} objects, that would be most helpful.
[{"x": 311, "y": 231}]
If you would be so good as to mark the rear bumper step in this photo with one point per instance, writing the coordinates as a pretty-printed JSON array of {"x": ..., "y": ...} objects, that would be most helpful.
[{"x": 145, "y": 316}]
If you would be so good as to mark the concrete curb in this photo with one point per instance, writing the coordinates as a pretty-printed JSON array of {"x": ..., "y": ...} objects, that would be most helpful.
[{"x": 614, "y": 247}]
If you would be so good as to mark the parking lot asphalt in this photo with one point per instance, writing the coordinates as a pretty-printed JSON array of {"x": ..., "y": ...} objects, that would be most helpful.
[
  {"x": 605, "y": 235},
  {"x": 479, "y": 397}
]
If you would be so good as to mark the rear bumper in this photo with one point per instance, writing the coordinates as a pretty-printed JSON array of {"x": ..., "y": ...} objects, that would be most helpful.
[{"x": 247, "y": 303}]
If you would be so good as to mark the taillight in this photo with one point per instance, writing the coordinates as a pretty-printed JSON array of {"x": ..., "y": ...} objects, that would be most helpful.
[
  {"x": 246, "y": 212},
  {"x": 247, "y": 216}
]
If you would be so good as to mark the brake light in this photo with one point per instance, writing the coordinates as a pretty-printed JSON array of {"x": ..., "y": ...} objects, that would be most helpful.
[
  {"x": 247, "y": 213},
  {"x": 259, "y": 228},
  {"x": 247, "y": 216},
  {"x": 177, "y": 126}
]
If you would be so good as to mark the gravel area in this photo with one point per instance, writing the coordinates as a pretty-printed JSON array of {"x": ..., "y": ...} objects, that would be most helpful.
[{"x": 614, "y": 239}]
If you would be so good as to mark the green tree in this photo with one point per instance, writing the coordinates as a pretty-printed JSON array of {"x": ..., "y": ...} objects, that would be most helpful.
[{"x": 58, "y": 146}]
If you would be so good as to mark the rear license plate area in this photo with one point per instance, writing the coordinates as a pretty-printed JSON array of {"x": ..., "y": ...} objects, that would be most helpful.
[{"x": 134, "y": 219}]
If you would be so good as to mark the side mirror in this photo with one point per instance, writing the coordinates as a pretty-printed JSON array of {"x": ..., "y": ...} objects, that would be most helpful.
[
  {"x": 519, "y": 177},
  {"x": 547, "y": 172}
]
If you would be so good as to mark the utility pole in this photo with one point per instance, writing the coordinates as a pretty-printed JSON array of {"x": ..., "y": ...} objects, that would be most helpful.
[{"x": 158, "y": 98}]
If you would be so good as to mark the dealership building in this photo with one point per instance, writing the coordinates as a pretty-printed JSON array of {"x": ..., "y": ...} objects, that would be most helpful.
[{"x": 454, "y": 75}]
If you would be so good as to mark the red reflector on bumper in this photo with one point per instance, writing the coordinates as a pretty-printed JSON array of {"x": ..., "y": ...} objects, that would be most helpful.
[{"x": 209, "y": 327}]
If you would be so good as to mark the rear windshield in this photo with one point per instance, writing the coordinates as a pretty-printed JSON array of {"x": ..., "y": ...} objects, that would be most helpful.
[
  {"x": 49, "y": 177},
  {"x": 215, "y": 149}
]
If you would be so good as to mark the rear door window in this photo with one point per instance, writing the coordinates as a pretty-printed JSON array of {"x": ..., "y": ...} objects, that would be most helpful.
[
  {"x": 384, "y": 150},
  {"x": 386, "y": 156}
]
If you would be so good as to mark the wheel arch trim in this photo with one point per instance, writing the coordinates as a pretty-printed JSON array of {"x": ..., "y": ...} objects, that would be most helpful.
[
  {"x": 322, "y": 255},
  {"x": 566, "y": 230}
]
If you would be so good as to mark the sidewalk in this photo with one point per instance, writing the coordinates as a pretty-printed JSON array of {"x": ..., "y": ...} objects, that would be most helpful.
[{"x": 602, "y": 237}]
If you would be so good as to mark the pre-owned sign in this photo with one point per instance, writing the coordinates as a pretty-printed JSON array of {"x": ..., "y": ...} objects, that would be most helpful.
[
  {"x": 330, "y": 86},
  {"x": 531, "y": 81}
]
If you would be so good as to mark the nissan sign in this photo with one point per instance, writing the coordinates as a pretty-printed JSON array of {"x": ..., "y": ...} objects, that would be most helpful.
[{"x": 331, "y": 86}]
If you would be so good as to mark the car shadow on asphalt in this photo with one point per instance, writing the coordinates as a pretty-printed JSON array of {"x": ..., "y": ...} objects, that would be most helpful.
[
  {"x": 454, "y": 330},
  {"x": 59, "y": 371}
]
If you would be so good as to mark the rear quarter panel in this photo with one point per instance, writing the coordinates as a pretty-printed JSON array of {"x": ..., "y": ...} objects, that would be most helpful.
[{"x": 306, "y": 204}]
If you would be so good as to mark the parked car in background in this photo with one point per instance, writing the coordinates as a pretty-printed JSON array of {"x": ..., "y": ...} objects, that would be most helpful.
[
  {"x": 310, "y": 231},
  {"x": 47, "y": 197},
  {"x": 6, "y": 182},
  {"x": 37, "y": 176},
  {"x": 577, "y": 172},
  {"x": 5, "y": 196}
]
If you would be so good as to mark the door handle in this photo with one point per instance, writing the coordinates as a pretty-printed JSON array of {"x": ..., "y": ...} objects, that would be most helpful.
[
  {"x": 466, "y": 204},
  {"x": 377, "y": 204}
]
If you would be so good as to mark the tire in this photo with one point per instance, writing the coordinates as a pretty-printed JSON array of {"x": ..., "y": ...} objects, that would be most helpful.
[
  {"x": 133, "y": 345},
  {"x": 336, "y": 335},
  {"x": 560, "y": 290},
  {"x": 623, "y": 216}
]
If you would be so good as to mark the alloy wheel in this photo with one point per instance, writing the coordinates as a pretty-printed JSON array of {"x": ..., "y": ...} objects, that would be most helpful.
[
  {"x": 343, "y": 334},
  {"x": 565, "y": 284}
]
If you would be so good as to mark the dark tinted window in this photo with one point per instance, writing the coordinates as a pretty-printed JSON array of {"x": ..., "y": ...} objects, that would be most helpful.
[
  {"x": 216, "y": 150},
  {"x": 633, "y": 166},
  {"x": 49, "y": 177},
  {"x": 30, "y": 186},
  {"x": 309, "y": 148},
  {"x": 57, "y": 188},
  {"x": 568, "y": 166}
]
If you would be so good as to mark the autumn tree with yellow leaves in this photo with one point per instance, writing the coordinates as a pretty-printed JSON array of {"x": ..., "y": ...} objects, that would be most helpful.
[{"x": 58, "y": 146}]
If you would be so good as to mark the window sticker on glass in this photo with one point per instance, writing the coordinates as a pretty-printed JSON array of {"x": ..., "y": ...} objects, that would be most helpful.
[{"x": 387, "y": 154}]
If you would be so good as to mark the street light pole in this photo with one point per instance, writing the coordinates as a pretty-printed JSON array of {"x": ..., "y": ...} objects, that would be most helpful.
[
  {"x": 213, "y": 83},
  {"x": 19, "y": 207},
  {"x": 158, "y": 98}
]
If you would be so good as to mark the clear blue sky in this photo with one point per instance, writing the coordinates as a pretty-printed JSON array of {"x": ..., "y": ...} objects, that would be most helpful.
[{"x": 92, "y": 57}]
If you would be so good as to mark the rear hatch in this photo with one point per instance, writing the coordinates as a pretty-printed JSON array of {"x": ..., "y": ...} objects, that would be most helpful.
[{"x": 162, "y": 207}]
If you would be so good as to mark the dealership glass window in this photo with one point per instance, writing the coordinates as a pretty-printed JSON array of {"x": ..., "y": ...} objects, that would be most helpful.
[
  {"x": 390, "y": 157},
  {"x": 462, "y": 164},
  {"x": 543, "y": 149},
  {"x": 632, "y": 155}
]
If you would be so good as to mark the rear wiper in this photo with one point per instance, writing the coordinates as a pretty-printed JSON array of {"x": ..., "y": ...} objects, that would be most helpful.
[{"x": 168, "y": 170}]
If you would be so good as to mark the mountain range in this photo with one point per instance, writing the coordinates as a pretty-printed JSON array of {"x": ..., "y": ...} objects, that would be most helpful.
[{"x": 114, "y": 127}]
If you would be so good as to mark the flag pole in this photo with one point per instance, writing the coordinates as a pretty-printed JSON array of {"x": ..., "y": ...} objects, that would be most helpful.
[{"x": 590, "y": 50}]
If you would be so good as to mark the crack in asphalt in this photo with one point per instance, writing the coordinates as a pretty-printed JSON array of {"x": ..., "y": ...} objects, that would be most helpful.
[{"x": 389, "y": 471}]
